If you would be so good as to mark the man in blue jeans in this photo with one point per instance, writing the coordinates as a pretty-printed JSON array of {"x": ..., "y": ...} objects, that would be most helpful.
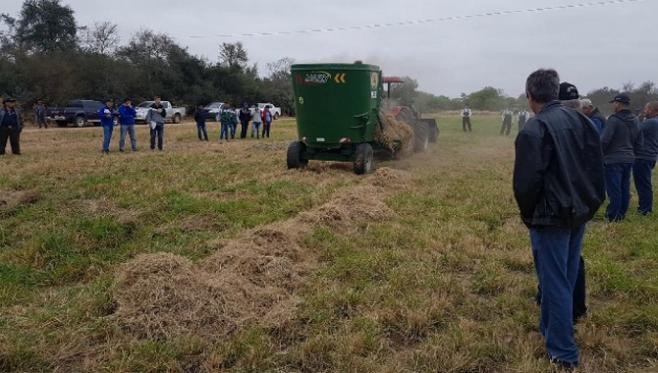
[
  {"x": 645, "y": 159},
  {"x": 621, "y": 136},
  {"x": 558, "y": 186},
  {"x": 127, "y": 120},
  {"x": 106, "y": 115}
]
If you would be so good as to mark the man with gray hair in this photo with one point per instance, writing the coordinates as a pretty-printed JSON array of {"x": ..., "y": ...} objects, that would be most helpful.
[
  {"x": 558, "y": 186},
  {"x": 645, "y": 159},
  {"x": 593, "y": 114}
]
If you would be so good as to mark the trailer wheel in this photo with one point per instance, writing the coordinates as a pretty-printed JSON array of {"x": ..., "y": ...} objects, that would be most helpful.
[
  {"x": 365, "y": 160},
  {"x": 421, "y": 137},
  {"x": 296, "y": 157}
]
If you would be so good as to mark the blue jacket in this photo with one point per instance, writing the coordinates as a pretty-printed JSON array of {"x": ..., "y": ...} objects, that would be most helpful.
[
  {"x": 649, "y": 148},
  {"x": 127, "y": 115},
  {"x": 6, "y": 123},
  {"x": 106, "y": 117}
]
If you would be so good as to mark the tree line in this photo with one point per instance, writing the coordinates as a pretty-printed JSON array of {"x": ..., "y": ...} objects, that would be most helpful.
[{"x": 45, "y": 54}]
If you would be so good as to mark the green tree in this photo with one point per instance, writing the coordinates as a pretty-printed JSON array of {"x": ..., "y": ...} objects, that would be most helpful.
[
  {"x": 233, "y": 55},
  {"x": 46, "y": 26}
]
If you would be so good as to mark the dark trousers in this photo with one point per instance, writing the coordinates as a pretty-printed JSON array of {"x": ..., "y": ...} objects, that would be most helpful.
[
  {"x": 466, "y": 124},
  {"x": 579, "y": 294},
  {"x": 506, "y": 127},
  {"x": 244, "y": 129},
  {"x": 556, "y": 253},
  {"x": 224, "y": 131},
  {"x": 642, "y": 170},
  {"x": 42, "y": 122},
  {"x": 618, "y": 185},
  {"x": 266, "y": 129},
  {"x": 202, "y": 131},
  {"x": 12, "y": 134},
  {"x": 157, "y": 133}
]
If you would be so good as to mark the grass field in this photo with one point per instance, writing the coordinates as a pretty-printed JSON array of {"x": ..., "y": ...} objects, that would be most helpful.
[{"x": 442, "y": 281}]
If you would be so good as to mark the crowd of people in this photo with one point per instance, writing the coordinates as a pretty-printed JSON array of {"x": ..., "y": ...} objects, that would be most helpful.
[
  {"x": 229, "y": 119},
  {"x": 568, "y": 157},
  {"x": 126, "y": 113}
]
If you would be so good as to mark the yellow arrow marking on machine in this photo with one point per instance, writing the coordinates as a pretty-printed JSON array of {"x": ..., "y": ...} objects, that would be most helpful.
[{"x": 340, "y": 78}]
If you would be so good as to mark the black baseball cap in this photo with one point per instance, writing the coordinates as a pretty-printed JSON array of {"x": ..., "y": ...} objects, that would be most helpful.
[
  {"x": 622, "y": 98},
  {"x": 568, "y": 92}
]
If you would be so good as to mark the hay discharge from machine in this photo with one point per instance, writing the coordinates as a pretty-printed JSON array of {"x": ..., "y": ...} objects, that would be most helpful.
[{"x": 342, "y": 115}]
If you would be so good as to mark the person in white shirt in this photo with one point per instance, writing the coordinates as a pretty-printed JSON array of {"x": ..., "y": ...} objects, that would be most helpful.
[{"x": 466, "y": 119}]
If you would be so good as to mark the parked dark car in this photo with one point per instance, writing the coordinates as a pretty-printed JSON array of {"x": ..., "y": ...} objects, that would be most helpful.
[{"x": 80, "y": 113}]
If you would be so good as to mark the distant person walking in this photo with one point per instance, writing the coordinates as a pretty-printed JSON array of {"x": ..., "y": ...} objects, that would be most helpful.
[
  {"x": 245, "y": 117},
  {"x": 200, "y": 117},
  {"x": 40, "y": 113},
  {"x": 559, "y": 186},
  {"x": 620, "y": 138},
  {"x": 257, "y": 121},
  {"x": 593, "y": 114},
  {"x": 127, "y": 116},
  {"x": 156, "y": 118},
  {"x": 523, "y": 118},
  {"x": 11, "y": 125},
  {"x": 267, "y": 121},
  {"x": 506, "y": 128},
  {"x": 106, "y": 115},
  {"x": 228, "y": 120},
  {"x": 466, "y": 119},
  {"x": 645, "y": 159}
]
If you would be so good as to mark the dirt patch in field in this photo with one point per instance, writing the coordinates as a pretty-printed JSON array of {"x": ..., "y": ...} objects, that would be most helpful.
[
  {"x": 253, "y": 279},
  {"x": 10, "y": 199}
]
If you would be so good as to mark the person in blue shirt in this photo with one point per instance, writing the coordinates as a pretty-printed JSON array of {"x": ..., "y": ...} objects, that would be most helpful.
[
  {"x": 106, "y": 115},
  {"x": 11, "y": 125},
  {"x": 127, "y": 115},
  {"x": 646, "y": 155},
  {"x": 594, "y": 114}
]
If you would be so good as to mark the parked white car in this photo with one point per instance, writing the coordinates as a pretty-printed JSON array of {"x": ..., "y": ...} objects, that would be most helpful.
[
  {"x": 174, "y": 114},
  {"x": 276, "y": 111},
  {"x": 214, "y": 110}
]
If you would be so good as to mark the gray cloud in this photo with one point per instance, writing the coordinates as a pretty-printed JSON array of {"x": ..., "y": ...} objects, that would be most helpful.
[{"x": 592, "y": 47}]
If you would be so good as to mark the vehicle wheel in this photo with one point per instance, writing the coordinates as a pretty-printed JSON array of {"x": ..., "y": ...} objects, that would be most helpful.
[
  {"x": 115, "y": 121},
  {"x": 365, "y": 159},
  {"x": 421, "y": 137},
  {"x": 177, "y": 118},
  {"x": 276, "y": 116},
  {"x": 80, "y": 121},
  {"x": 296, "y": 158}
]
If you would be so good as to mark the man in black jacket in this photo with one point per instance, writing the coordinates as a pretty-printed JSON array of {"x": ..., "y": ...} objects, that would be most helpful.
[
  {"x": 559, "y": 186},
  {"x": 645, "y": 159},
  {"x": 245, "y": 117},
  {"x": 619, "y": 140},
  {"x": 11, "y": 125}
]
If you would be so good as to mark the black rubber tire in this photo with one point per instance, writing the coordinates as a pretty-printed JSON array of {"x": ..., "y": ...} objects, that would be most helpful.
[
  {"x": 115, "y": 121},
  {"x": 276, "y": 116},
  {"x": 177, "y": 118},
  {"x": 364, "y": 162},
  {"x": 421, "y": 137},
  {"x": 296, "y": 159},
  {"x": 80, "y": 121}
]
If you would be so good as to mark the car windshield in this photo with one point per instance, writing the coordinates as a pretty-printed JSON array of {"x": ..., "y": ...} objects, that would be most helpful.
[{"x": 146, "y": 104}]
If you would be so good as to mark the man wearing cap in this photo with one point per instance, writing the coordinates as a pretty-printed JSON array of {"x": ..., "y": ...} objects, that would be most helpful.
[
  {"x": 106, "y": 115},
  {"x": 569, "y": 96},
  {"x": 558, "y": 186},
  {"x": 593, "y": 114},
  {"x": 11, "y": 125},
  {"x": 645, "y": 159},
  {"x": 127, "y": 116},
  {"x": 619, "y": 140}
]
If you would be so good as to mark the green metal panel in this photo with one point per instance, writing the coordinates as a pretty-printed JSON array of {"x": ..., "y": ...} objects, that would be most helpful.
[{"x": 336, "y": 101}]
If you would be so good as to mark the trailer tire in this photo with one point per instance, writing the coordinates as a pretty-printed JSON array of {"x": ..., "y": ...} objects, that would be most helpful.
[
  {"x": 421, "y": 137},
  {"x": 365, "y": 159},
  {"x": 296, "y": 159}
]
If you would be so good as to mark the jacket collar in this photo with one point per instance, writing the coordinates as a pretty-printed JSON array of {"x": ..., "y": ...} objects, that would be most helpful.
[{"x": 550, "y": 105}]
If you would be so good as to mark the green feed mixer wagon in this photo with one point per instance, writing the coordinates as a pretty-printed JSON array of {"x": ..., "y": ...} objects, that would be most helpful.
[{"x": 342, "y": 115}]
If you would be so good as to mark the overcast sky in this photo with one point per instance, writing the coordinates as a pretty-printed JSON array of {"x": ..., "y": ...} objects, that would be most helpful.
[{"x": 592, "y": 47}]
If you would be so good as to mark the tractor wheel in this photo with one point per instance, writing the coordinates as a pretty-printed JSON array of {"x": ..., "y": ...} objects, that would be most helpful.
[
  {"x": 296, "y": 157},
  {"x": 365, "y": 159},
  {"x": 80, "y": 121},
  {"x": 421, "y": 137}
]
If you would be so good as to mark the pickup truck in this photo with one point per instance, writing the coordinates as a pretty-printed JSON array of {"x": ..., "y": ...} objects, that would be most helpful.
[
  {"x": 78, "y": 112},
  {"x": 174, "y": 114},
  {"x": 276, "y": 111}
]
